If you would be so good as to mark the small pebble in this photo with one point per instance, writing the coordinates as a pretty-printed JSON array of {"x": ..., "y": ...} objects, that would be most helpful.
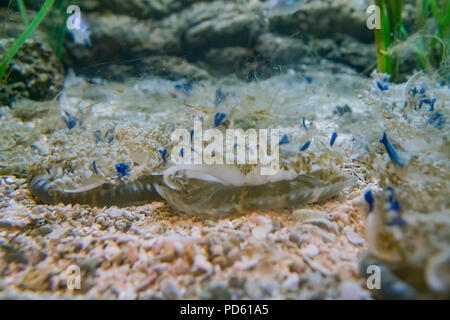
[
  {"x": 114, "y": 213},
  {"x": 217, "y": 291},
  {"x": 201, "y": 263},
  {"x": 297, "y": 238},
  {"x": 122, "y": 225},
  {"x": 291, "y": 283},
  {"x": 5, "y": 224},
  {"x": 304, "y": 214},
  {"x": 311, "y": 251},
  {"x": 44, "y": 230},
  {"x": 170, "y": 289},
  {"x": 352, "y": 291},
  {"x": 353, "y": 237},
  {"x": 103, "y": 220},
  {"x": 209, "y": 223},
  {"x": 112, "y": 252}
]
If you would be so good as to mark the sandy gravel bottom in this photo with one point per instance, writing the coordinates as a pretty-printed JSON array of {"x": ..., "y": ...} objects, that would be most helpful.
[{"x": 147, "y": 252}]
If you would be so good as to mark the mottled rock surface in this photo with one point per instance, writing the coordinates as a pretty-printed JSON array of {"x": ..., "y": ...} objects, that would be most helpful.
[
  {"x": 125, "y": 33},
  {"x": 220, "y": 37},
  {"x": 34, "y": 72}
]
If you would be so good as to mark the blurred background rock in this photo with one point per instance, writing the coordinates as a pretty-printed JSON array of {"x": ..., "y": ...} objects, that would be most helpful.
[{"x": 195, "y": 39}]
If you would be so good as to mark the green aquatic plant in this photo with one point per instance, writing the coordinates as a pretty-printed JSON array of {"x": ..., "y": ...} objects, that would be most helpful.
[
  {"x": 392, "y": 37},
  {"x": 389, "y": 33},
  {"x": 45, "y": 9},
  {"x": 427, "y": 45},
  {"x": 56, "y": 27},
  {"x": 23, "y": 11}
]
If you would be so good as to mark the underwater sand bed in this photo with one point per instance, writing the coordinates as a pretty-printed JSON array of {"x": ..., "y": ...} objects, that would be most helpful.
[{"x": 147, "y": 252}]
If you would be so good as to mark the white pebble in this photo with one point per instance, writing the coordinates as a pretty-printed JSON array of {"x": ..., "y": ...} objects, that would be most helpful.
[
  {"x": 200, "y": 263},
  {"x": 352, "y": 291},
  {"x": 170, "y": 289},
  {"x": 354, "y": 238},
  {"x": 311, "y": 251},
  {"x": 115, "y": 213},
  {"x": 291, "y": 283}
]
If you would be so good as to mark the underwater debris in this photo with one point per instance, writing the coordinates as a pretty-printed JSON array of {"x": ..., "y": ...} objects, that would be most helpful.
[
  {"x": 333, "y": 138},
  {"x": 122, "y": 169},
  {"x": 305, "y": 146},
  {"x": 391, "y": 151},
  {"x": 218, "y": 118},
  {"x": 284, "y": 140}
]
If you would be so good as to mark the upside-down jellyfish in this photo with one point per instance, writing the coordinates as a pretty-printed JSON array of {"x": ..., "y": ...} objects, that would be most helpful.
[{"x": 201, "y": 190}]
